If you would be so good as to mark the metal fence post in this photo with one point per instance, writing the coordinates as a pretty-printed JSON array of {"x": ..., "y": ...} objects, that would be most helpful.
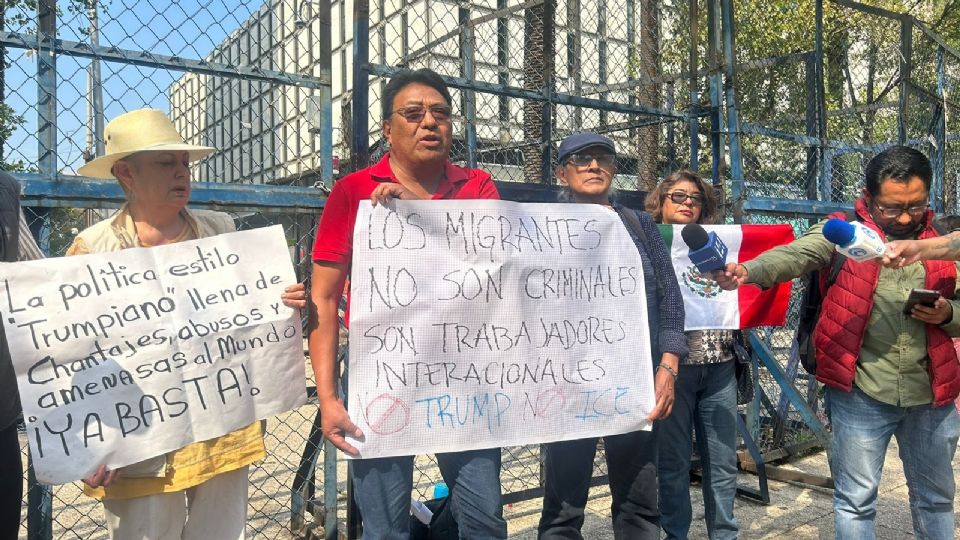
[
  {"x": 546, "y": 129},
  {"x": 469, "y": 97},
  {"x": 824, "y": 172},
  {"x": 361, "y": 89},
  {"x": 906, "y": 68},
  {"x": 713, "y": 61},
  {"x": 326, "y": 94},
  {"x": 331, "y": 524},
  {"x": 813, "y": 165},
  {"x": 671, "y": 130},
  {"x": 694, "y": 122},
  {"x": 938, "y": 156},
  {"x": 737, "y": 191},
  {"x": 39, "y": 496},
  {"x": 39, "y": 507},
  {"x": 47, "y": 88}
]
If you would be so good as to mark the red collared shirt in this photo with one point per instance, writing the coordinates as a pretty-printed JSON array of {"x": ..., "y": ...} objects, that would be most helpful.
[{"x": 334, "y": 242}]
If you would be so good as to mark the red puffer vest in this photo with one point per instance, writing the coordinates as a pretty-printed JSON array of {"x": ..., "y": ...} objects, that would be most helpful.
[{"x": 846, "y": 310}]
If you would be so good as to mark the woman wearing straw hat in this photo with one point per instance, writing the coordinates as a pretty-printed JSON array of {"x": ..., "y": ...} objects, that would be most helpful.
[{"x": 200, "y": 490}]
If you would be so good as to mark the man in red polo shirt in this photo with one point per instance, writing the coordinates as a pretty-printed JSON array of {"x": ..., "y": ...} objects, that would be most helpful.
[{"x": 416, "y": 123}]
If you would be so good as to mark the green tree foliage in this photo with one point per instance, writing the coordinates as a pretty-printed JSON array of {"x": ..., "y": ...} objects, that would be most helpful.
[{"x": 862, "y": 80}]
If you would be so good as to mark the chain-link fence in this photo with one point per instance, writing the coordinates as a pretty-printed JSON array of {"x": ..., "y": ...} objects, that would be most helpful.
[
  {"x": 287, "y": 90},
  {"x": 523, "y": 76},
  {"x": 246, "y": 77},
  {"x": 270, "y": 511},
  {"x": 856, "y": 80}
]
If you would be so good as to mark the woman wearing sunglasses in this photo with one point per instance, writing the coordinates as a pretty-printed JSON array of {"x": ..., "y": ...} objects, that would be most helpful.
[
  {"x": 706, "y": 393},
  {"x": 586, "y": 169}
]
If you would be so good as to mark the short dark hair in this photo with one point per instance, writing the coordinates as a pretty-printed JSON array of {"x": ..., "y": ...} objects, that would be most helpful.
[
  {"x": 406, "y": 77},
  {"x": 900, "y": 164}
]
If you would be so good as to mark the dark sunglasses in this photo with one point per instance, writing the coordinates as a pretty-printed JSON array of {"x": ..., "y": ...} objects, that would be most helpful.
[
  {"x": 679, "y": 197},
  {"x": 415, "y": 113},
  {"x": 585, "y": 160}
]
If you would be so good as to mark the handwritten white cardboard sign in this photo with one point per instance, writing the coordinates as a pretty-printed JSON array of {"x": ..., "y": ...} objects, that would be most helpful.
[
  {"x": 477, "y": 324},
  {"x": 128, "y": 355}
]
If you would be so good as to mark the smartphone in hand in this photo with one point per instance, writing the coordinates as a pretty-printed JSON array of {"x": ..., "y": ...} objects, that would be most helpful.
[{"x": 923, "y": 297}]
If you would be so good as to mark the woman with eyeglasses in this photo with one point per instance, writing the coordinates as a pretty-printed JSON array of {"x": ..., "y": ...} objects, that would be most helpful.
[
  {"x": 586, "y": 168},
  {"x": 706, "y": 393}
]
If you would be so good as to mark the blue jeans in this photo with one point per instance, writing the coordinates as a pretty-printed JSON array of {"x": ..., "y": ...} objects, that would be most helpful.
[
  {"x": 705, "y": 401},
  {"x": 631, "y": 471},
  {"x": 382, "y": 489},
  {"x": 927, "y": 437}
]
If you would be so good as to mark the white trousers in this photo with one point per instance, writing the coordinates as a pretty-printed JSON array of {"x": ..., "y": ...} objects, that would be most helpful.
[{"x": 213, "y": 510}]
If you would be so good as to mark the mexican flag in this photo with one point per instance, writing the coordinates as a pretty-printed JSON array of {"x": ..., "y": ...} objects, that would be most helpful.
[{"x": 706, "y": 304}]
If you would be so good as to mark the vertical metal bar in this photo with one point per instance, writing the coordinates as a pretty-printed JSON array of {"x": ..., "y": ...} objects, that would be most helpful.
[
  {"x": 546, "y": 126},
  {"x": 906, "y": 68},
  {"x": 469, "y": 96},
  {"x": 938, "y": 157},
  {"x": 826, "y": 177},
  {"x": 39, "y": 507},
  {"x": 632, "y": 54},
  {"x": 331, "y": 524},
  {"x": 753, "y": 408},
  {"x": 95, "y": 143},
  {"x": 47, "y": 88},
  {"x": 39, "y": 496},
  {"x": 602, "y": 53},
  {"x": 326, "y": 93},
  {"x": 671, "y": 130},
  {"x": 694, "y": 63},
  {"x": 404, "y": 33},
  {"x": 813, "y": 166},
  {"x": 503, "y": 65},
  {"x": 361, "y": 158},
  {"x": 361, "y": 91},
  {"x": 331, "y": 527},
  {"x": 737, "y": 191},
  {"x": 382, "y": 37},
  {"x": 574, "y": 52},
  {"x": 713, "y": 61},
  {"x": 824, "y": 173}
]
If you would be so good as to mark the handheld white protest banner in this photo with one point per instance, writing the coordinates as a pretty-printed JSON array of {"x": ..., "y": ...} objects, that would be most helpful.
[
  {"x": 477, "y": 324},
  {"x": 128, "y": 355}
]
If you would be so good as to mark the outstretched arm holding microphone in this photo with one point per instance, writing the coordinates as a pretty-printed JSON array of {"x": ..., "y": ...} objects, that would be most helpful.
[
  {"x": 880, "y": 351},
  {"x": 810, "y": 252}
]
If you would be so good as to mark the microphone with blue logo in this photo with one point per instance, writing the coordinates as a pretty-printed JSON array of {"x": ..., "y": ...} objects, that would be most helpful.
[
  {"x": 855, "y": 240},
  {"x": 707, "y": 251}
]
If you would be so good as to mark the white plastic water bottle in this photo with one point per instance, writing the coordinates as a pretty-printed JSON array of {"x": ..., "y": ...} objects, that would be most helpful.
[{"x": 420, "y": 511}]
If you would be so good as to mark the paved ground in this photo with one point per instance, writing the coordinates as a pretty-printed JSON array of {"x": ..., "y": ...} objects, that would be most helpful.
[{"x": 795, "y": 512}]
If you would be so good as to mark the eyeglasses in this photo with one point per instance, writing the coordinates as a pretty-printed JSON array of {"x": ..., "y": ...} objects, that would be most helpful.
[
  {"x": 585, "y": 160},
  {"x": 415, "y": 113},
  {"x": 679, "y": 197},
  {"x": 893, "y": 213}
]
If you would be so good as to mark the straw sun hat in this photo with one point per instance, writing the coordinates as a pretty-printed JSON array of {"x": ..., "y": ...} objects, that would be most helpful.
[{"x": 138, "y": 131}]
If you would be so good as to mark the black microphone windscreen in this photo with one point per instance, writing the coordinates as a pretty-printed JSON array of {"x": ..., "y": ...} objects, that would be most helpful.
[{"x": 694, "y": 236}]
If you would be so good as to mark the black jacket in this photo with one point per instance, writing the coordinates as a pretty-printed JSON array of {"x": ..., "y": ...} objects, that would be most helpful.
[{"x": 9, "y": 245}]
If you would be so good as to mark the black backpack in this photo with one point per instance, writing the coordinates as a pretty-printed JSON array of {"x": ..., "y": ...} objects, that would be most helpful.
[{"x": 813, "y": 298}]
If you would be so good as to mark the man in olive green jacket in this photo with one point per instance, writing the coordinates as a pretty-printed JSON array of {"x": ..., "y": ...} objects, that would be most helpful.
[{"x": 887, "y": 372}]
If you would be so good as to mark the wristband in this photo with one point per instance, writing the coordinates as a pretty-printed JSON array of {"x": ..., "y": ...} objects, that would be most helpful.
[{"x": 670, "y": 370}]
